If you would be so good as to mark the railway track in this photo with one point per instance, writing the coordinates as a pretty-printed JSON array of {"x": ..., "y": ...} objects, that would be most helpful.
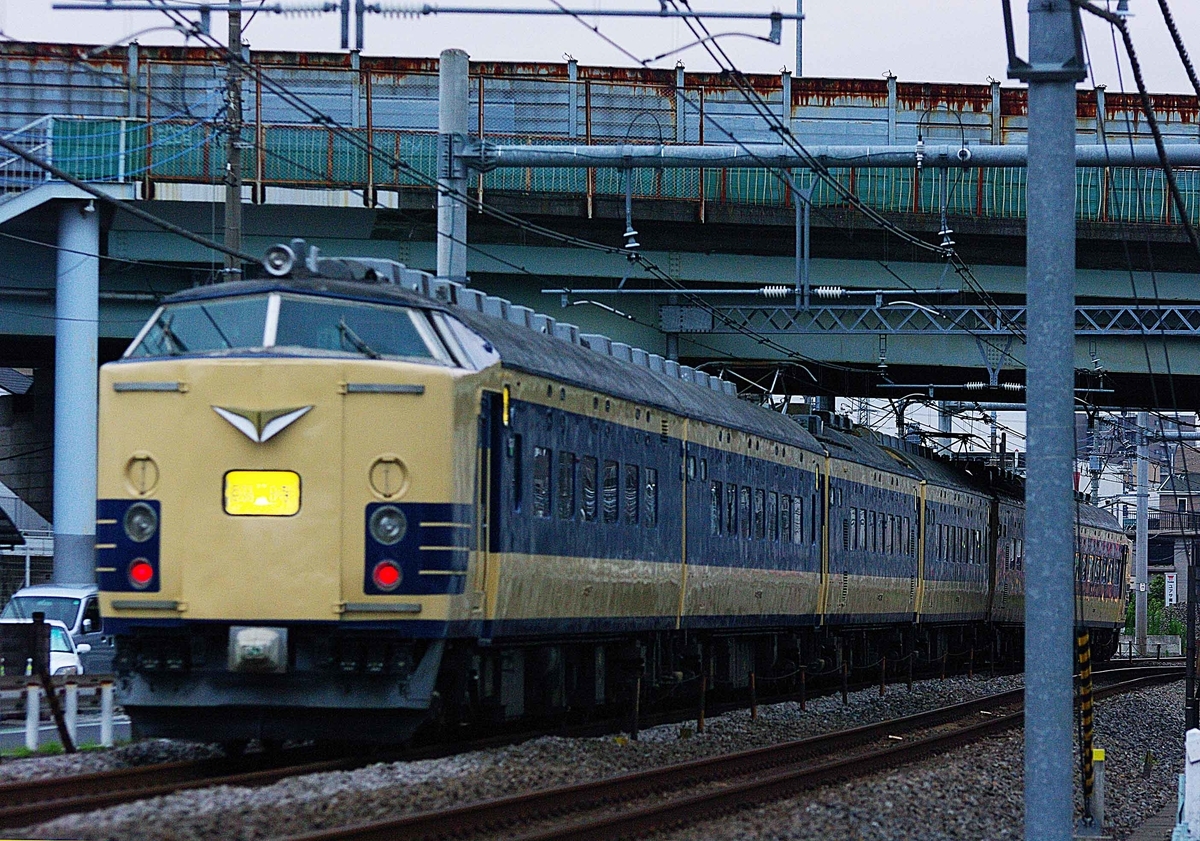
[
  {"x": 650, "y": 800},
  {"x": 31, "y": 802},
  {"x": 34, "y": 801}
]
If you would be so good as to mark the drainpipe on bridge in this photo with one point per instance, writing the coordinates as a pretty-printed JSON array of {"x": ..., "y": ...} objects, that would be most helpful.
[
  {"x": 76, "y": 318},
  {"x": 453, "y": 109}
]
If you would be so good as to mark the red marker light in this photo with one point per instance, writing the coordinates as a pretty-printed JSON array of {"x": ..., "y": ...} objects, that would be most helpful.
[
  {"x": 141, "y": 573},
  {"x": 386, "y": 575}
]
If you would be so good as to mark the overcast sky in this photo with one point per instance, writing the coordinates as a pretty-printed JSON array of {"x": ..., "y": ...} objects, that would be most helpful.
[{"x": 918, "y": 40}]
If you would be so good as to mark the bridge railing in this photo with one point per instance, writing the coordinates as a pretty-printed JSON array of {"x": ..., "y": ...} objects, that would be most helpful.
[{"x": 171, "y": 130}]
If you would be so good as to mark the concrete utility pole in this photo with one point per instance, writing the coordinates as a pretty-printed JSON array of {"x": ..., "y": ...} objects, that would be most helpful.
[
  {"x": 76, "y": 329},
  {"x": 799, "y": 38},
  {"x": 233, "y": 144},
  {"x": 1141, "y": 548},
  {"x": 1054, "y": 67},
  {"x": 453, "y": 108}
]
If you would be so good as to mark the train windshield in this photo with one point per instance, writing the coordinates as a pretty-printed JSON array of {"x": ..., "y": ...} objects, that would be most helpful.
[
  {"x": 373, "y": 330},
  {"x": 297, "y": 323},
  {"x": 204, "y": 326}
]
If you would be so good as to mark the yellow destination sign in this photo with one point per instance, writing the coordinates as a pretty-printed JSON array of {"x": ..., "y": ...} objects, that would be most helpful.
[{"x": 262, "y": 493}]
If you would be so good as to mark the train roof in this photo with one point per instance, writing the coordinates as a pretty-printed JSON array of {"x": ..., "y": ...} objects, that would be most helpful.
[
  {"x": 530, "y": 351},
  {"x": 862, "y": 450},
  {"x": 943, "y": 473}
]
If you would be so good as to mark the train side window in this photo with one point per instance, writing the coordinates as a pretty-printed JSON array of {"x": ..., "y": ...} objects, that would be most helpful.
[
  {"x": 541, "y": 482},
  {"x": 846, "y": 533},
  {"x": 566, "y": 485},
  {"x": 773, "y": 516},
  {"x": 813, "y": 508},
  {"x": 691, "y": 467},
  {"x": 797, "y": 515},
  {"x": 587, "y": 487},
  {"x": 518, "y": 478},
  {"x": 650, "y": 499},
  {"x": 872, "y": 532},
  {"x": 703, "y": 470},
  {"x": 610, "y": 500},
  {"x": 862, "y": 529},
  {"x": 633, "y": 489},
  {"x": 760, "y": 530},
  {"x": 902, "y": 522},
  {"x": 714, "y": 508},
  {"x": 731, "y": 509},
  {"x": 744, "y": 511},
  {"x": 785, "y": 518}
]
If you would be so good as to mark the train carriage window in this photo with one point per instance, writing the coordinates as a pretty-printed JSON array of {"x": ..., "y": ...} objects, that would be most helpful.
[
  {"x": 846, "y": 533},
  {"x": 518, "y": 477},
  {"x": 610, "y": 500},
  {"x": 566, "y": 485},
  {"x": 785, "y": 518},
  {"x": 760, "y": 530},
  {"x": 862, "y": 529},
  {"x": 541, "y": 482},
  {"x": 650, "y": 499},
  {"x": 714, "y": 508},
  {"x": 773, "y": 516},
  {"x": 905, "y": 549},
  {"x": 815, "y": 511},
  {"x": 633, "y": 488},
  {"x": 731, "y": 509},
  {"x": 744, "y": 511},
  {"x": 587, "y": 487},
  {"x": 888, "y": 538},
  {"x": 797, "y": 515},
  {"x": 872, "y": 532},
  {"x": 703, "y": 470},
  {"x": 691, "y": 467}
]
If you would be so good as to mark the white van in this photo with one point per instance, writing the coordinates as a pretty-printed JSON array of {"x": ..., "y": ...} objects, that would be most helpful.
[{"x": 78, "y": 609}]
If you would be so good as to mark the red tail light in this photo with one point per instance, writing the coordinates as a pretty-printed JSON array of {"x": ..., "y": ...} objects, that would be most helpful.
[
  {"x": 141, "y": 573},
  {"x": 386, "y": 575}
]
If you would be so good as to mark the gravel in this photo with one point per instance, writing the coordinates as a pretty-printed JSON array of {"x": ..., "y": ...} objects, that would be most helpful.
[
  {"x": 948, "y": 798},
  {"x": 145, "y": 752},
  {"x": 940, "y": 798}
]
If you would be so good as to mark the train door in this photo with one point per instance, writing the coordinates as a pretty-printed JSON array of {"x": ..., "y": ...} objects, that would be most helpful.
[{"x": 487, "y": 497}]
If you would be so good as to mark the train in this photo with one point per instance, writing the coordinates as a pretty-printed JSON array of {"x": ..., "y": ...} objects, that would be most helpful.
[{"x": 351, "y": 501}]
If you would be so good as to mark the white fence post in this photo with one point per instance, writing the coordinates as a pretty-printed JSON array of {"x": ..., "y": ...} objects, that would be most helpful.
[
  {"x": 1191, "y": 804},
  {"x": 33, "y": 715},
  {"x": 106, "y": 713},
  {"x": 71, "y": 711}
]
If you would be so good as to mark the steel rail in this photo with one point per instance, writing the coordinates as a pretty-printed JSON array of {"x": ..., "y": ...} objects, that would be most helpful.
[
  {"x": 769, "y": 766},
  {"x": 35, "y": 801}
]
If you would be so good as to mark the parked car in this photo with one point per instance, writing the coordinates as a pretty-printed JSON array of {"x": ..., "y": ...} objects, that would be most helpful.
[
  {"x": 65, "y": 656},
  {"x": 78, "y": 609}
]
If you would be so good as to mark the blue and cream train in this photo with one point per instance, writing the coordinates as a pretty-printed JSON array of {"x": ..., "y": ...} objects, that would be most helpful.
[{"x": 350, "y": 499}]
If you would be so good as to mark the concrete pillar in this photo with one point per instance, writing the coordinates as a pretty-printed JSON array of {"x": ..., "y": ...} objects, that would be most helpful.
[
  {"x": 453, "y": 111},
  {"x": 76, "y": 326}
]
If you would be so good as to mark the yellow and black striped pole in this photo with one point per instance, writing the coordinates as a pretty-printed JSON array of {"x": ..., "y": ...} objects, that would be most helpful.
[{"x": 1083, "y": 650}]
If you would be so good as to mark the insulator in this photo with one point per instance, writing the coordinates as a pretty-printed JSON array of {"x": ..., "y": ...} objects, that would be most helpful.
[
  {"x": 777, "y": 291},
  {"x": 1013, "y": 386},
  {"x": 829, "y": 292},
  {"x": 975, "y": 386}
]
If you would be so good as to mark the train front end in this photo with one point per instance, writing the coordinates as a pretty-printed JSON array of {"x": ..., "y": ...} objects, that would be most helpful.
[{"x": 284, "y": 528}]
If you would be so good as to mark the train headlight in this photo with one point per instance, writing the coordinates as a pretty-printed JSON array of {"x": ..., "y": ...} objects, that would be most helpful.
[
  {"x": 141, "y": 522},
  {"x": 386, "y": 575},
  {"x": 141, "y": 573},
  {"x": 388, "y": 525}
]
